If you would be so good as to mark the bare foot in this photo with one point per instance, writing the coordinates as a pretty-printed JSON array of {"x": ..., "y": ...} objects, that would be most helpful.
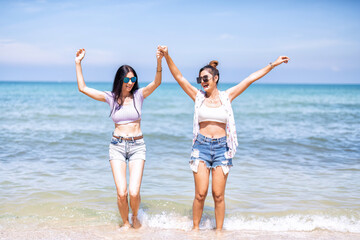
[
  {"x": 135, "y": 221},
  {"x": 125, "y": 226},
  {"x": 195, "y": 229}
]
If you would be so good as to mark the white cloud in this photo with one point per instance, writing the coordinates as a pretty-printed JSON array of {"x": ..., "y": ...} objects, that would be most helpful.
[
  {"x": 313, "y": 44},
  {"x": 226, "y": 36},
  {"x": 13, "y": 52},
  {"x": 98, "y": 56},
  {"x": 31, "y": 7},
  {"x": 5, "y": 41},
  {"x": 224, "y": 13},
  {"x": 335, "y": 69}
]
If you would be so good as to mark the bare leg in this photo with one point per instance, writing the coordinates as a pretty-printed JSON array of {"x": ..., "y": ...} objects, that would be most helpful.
[
  {"x": 218, "y": 192},
  {"x": 119, "y": 172},
  {"x": 136, "y": 169},
  {"x": 201, "y": 179}
]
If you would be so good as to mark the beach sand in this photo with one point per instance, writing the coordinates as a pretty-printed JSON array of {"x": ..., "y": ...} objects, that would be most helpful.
[{"x": 51, "y": 231}]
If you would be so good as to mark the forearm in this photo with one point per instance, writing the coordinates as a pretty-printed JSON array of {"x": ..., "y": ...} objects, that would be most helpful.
[
  {"x": 184, "y": 84},
  {"x": 158, "y": 75},
  {"x": 150, "y": 88},
  {"x": 80, "y": 78},
  {"x": 173, "y": 69},
  {"x": 244, "y": 84},
  {"x": 258, "y": 74}
]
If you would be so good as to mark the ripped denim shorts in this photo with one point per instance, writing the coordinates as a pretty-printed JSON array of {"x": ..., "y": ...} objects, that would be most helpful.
[{"x": 212, "y": 151}]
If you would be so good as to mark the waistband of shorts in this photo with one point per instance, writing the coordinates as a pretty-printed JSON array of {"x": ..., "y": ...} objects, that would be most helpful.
[
  {"x": 207, "y": 139},
  {"x": 128, "y": 138}
]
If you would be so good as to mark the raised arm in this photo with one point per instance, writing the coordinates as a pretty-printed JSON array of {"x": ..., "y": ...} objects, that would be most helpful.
[
  {"x": 154, "y": 84},
  {"x": 91, "y": 92},
  {"x": 244, "y": 84},
  {"x": 184, "y": 84}
]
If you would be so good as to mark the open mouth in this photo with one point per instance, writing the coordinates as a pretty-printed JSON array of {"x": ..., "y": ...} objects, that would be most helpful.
[{"x": 205, "y": 85}]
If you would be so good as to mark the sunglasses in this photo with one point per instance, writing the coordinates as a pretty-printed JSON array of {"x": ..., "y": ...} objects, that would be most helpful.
[
  {"x": 126, "y": 79},
  {"x": 205, "y": 79}
]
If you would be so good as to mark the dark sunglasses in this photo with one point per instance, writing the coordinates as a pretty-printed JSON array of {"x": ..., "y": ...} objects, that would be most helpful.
[
  {"x": 126, "y": 79},
  {"x": 205, "y": 79}
]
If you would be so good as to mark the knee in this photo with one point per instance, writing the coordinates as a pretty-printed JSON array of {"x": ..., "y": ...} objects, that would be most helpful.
[
  {"x": 218, "y": 198},
  {"x": 122, "y": 195},
  {"x": 134, "y": 193},
  {"x": 200, "y": 196}
]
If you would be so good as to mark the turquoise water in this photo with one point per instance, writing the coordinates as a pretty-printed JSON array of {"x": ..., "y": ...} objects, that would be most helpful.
[{"x": 297, "y": 167}]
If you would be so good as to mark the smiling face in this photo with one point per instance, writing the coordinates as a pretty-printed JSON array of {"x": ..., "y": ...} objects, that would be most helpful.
[
  {"x": 210, "y": 85},
  {"x": 128, "y": 86}
]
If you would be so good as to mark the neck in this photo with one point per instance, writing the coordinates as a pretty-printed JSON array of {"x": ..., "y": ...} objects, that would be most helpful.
[
  {"x": 125, "y": 94},
  {"x": 213, "y": 94}
]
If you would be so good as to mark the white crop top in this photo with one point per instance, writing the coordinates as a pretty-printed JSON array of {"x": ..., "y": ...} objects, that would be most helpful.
[{"x": 209, "y": 114}]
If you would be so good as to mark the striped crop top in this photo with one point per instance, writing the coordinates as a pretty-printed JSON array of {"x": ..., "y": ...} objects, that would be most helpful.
[{"x": 126, "y": 113}]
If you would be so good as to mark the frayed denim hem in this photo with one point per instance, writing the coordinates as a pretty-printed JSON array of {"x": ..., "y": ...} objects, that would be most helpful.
[{"x": 194, "y": 165}]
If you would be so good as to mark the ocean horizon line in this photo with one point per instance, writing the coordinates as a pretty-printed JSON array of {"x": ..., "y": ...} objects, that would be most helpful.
[{"x": 167, "y": 82}]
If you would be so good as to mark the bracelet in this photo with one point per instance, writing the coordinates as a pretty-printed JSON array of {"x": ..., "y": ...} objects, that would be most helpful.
[
  {"x": 158, "y": 70},
  {"x": 272, "y": 66}
]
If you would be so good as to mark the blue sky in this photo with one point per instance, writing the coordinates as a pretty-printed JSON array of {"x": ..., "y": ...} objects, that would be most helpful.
[{"x": 38, "y": 39}]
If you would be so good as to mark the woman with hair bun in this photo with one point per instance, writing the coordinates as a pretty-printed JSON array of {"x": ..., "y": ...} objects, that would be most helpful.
[
  {"x": 214, "y": 132},
  {"x": 127, "y": 143}
]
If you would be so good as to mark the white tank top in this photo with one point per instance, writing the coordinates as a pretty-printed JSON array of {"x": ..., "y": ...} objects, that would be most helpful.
[{"x": 209, "y": 114}]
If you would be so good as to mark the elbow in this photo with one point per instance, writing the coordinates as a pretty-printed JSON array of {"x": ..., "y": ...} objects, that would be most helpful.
[
  {"x": 251, "y": 79},
  {"x": 157, "y": 81},
  {"x": 179, "y": 78},
  {"x": 82, "y": 89},
  {"x": 157, "y": 84}
]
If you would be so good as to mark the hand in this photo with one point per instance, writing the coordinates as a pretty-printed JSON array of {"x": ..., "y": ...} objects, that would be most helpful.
[
  {"x": 159, "y": 54},
  {"x": 164, "y": 50},
  {"x": 280, "y": 60},
  {"x": 80, "y": 54}
]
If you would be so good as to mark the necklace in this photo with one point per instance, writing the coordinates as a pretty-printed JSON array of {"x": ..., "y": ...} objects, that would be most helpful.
[{"x": 213, "y": 100}]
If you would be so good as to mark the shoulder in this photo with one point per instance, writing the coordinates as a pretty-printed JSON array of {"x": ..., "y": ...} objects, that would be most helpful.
[
  {"x": 108, "y": 93},
  {"x": 200, "y": 95},
  {"x": 139, "y": 93},
  {"x": 109, "y": 97},
  {"x": 224, "y": 94}
]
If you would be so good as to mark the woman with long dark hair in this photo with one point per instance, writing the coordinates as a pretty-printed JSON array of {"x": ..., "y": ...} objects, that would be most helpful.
[
  {"x": 214, "y": 132},
  {"x": 127, "y": 143}
]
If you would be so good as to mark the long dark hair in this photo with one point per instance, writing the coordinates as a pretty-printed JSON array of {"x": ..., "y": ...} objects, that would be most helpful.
[
  {"x": 211, "y": 67},
  {"x": 117, "y": 87}
]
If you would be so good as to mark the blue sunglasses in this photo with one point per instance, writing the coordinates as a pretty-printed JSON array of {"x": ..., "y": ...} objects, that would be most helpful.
[{"x": 126, "y": 79}]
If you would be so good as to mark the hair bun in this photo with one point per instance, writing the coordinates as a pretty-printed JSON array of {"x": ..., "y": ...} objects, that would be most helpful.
[{"x": 214, "y": 63}]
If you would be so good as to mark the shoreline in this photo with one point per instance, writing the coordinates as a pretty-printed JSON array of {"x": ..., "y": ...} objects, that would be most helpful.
[{"x": 49, "y": 231}]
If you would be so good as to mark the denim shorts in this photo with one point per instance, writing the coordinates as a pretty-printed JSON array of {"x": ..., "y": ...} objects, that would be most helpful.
[
  {"x": 211, "y": 151},
  {"x": 127, "y": 150}
]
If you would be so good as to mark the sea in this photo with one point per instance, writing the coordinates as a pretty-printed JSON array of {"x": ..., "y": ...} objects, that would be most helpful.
[{"x": 296, "y": 173}]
